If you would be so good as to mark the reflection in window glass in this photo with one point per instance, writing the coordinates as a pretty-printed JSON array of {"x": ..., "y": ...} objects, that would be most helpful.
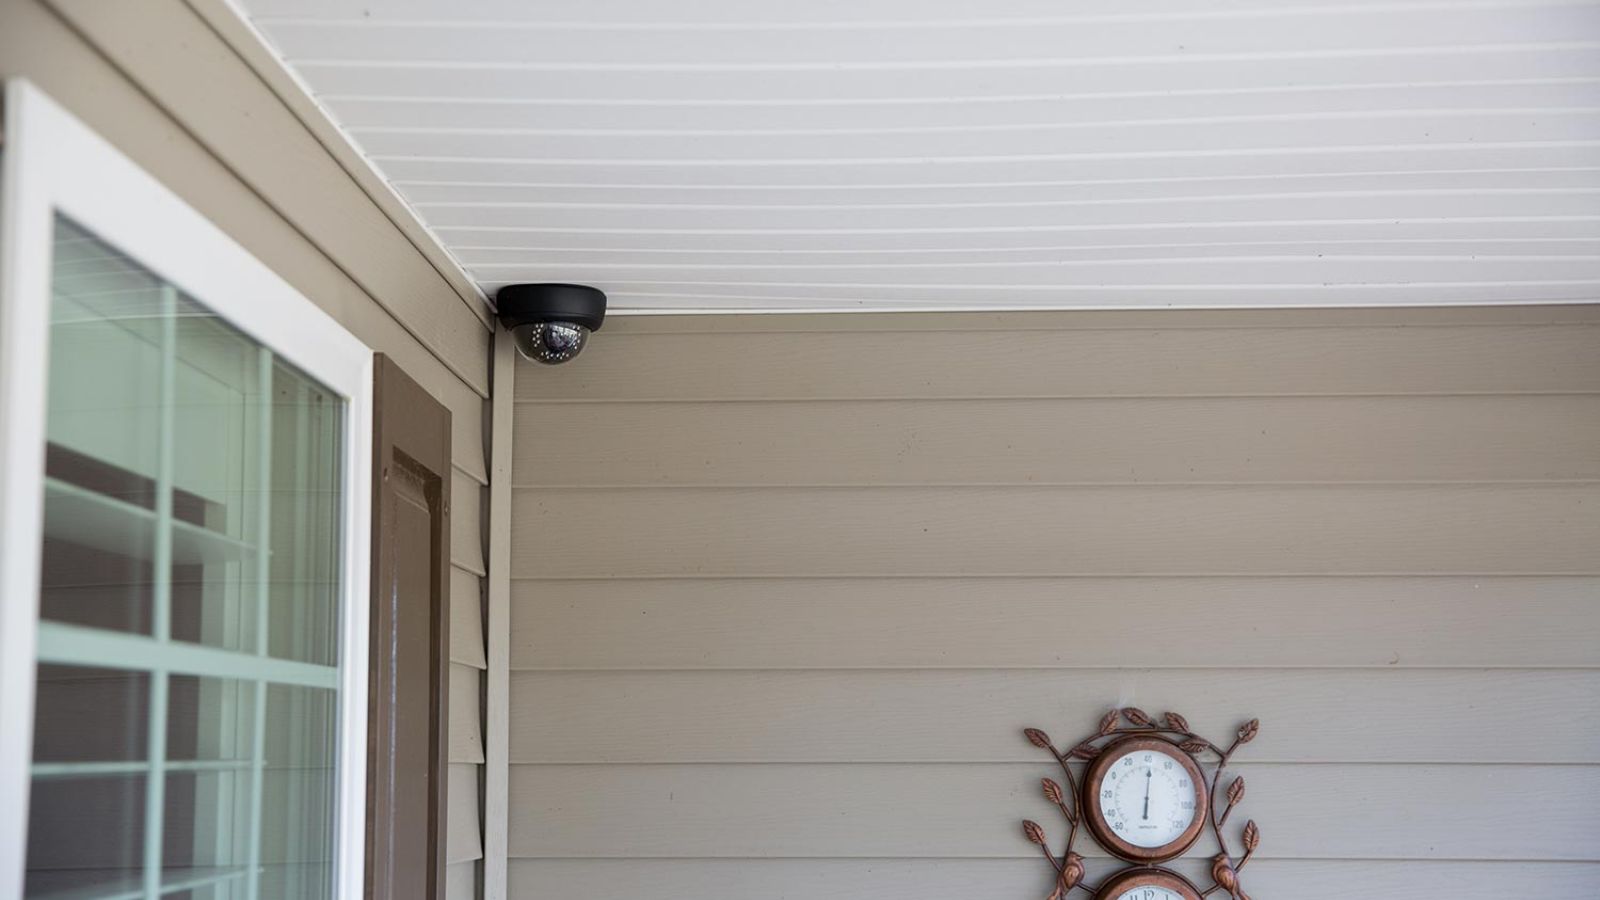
[{"x": 192, "y": 505}]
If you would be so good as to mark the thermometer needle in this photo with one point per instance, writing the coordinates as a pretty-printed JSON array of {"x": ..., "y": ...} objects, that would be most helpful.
[{"x": 1147, "y": 774}]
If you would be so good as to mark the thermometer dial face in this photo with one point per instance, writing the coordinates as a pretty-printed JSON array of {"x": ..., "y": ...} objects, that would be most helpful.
[{"x": 1146, "y": 799}]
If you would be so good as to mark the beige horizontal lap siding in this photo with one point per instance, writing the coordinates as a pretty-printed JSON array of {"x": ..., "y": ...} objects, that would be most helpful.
[
  {"x": 464, "y": 819},
  {"x": 1005, "y": 530},
  {"x": 465, "y": 840},
  {"x": 162, "y": 86},
  {"x": 966, "y": 879},
  {"x": 466, "y": 436},
  {"x": 1191, "y": 354},
  {"x": 466, "y": 618},
  {"x": 466, "y": 523},
  {"x": 786, "y": 589},
  {"x": 463, "y": 826},
  {"x": 1097, "y": 441},
  {"x": 461, "y": 880},
  {"x": 842, "y": 716},
  {"x": 852, "y": 623},
  {"x": 972, "y": 810}
]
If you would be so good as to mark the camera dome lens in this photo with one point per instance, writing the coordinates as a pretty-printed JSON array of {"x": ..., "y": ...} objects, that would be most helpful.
[{"x": 550, "y": 342}]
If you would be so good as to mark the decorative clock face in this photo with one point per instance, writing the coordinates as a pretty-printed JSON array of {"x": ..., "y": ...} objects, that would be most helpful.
[
  {"x": 1148, "y": 883},
  {"x": 1147, "y": 798},
  {"x": 1150, "y": 892}
]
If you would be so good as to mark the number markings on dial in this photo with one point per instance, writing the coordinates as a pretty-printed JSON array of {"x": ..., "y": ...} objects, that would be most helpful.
[
  {"x": 1147, "y": 798},
  {"x": 1149, "y": 893},
  {"x": 1148, "y": 883}
]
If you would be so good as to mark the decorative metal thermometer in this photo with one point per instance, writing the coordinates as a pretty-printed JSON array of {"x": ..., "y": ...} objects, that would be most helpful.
[{"x": 1145, "y": 799}]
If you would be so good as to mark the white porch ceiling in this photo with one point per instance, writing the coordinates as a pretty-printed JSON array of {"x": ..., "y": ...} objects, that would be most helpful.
[{"x": 981, "y": 154}]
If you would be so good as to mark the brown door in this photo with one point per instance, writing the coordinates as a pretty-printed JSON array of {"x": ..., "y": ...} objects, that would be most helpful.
[{"x": 410, "y": 640}]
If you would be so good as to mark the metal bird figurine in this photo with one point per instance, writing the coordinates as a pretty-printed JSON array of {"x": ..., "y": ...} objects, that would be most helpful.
[
  {"x": 1071, "y": 873},
  {"x": 1226, "y": 878}
]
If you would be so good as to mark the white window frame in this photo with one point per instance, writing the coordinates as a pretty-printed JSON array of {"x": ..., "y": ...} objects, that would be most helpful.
[{"x": 52, "y": 164}]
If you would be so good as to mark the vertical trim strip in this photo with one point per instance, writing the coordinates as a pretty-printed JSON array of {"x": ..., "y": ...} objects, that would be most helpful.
[
  {"x": 25, "y": 259},
  {"x": 497, "y": 698},
  {"x": 355, "y": 636}
]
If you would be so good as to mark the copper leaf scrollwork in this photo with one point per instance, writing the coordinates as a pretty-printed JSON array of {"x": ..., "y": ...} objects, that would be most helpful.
[{"x": 1130, "y": 720}]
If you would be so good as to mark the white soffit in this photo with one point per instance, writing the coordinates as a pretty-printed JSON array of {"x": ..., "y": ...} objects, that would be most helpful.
[{"x": 1002, "y": 154}]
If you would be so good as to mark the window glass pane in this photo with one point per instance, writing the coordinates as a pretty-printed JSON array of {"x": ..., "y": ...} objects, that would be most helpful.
[
  {"x": 210, "y": 721},
  {"x": 204, "y": 832},
  {"x": 210, "y": 749},
  {"x": 218, "y": 498},
  {"x": 104, "y": 434},
  {"x": 85, "y": 834},
  {"x": 298, "y": 826},
  {"x": 87, "y": 715},
  {"x": 304, "y": 531},
  {"x": 191, "y": 572}
]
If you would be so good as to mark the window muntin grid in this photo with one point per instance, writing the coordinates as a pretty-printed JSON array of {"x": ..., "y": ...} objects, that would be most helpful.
[{"x": 196, "y": 479}]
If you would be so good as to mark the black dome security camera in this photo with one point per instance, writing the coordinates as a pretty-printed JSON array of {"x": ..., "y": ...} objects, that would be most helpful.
[{"x": 551, "y": 323}]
